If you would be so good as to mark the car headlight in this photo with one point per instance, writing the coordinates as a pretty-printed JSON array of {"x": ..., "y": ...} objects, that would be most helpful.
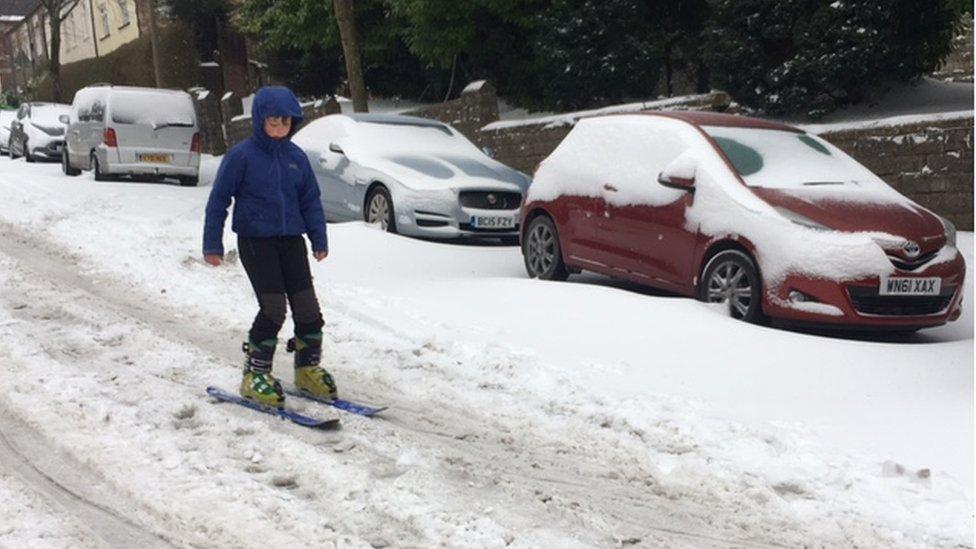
[
  {"x": 950, "y": 231},
  {"x": 801, "y": 219}
]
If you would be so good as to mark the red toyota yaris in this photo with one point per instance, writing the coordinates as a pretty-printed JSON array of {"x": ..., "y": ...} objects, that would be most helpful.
[{"x": 771, "y": 220}]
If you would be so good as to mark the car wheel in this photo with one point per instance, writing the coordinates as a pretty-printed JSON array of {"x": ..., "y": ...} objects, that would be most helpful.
[
  {"x": 541, "y": 250},
  {"x": 66, "y": 164},
  {"x": 97, "y": 169},
  {"x": 731, "y": 277},
  {"x": 379, "y": 209},
  {"x": 189, "y": 181}
]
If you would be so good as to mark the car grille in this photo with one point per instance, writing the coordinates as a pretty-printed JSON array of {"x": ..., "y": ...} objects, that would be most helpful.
[
  {"x": 868, "y": 301},
  {"x": 491, "y": 200},
  {"x": 912, "y": 264}
]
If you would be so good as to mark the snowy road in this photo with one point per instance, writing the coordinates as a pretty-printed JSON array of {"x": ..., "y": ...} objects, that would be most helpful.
[{"x": 524, "y": 414}]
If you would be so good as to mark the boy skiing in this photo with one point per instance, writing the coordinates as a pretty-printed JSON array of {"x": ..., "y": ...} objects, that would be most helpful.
[{"x": 276, "y": 201}]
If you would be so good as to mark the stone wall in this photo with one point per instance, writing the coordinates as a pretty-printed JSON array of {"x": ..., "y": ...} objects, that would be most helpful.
[
  {"x": 239, "y": 127},
  {"x": 930, "y": 162},
  {"x": 476, "y": 107},
  {"x": 211, "y": 122}
]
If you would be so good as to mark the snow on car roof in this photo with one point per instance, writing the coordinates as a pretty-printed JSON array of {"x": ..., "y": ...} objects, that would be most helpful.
[
  {"x": 708, "y": 118},
  {"x": 396, "y": 119}
]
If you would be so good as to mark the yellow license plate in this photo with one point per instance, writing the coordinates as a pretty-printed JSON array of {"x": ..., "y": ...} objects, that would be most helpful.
[{"x": 155, "y": 158}]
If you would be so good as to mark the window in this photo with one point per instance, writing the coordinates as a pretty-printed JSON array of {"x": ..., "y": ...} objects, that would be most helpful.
[
  {"x": 103, "y": 15},
  {"x": 124, "y": 12}
]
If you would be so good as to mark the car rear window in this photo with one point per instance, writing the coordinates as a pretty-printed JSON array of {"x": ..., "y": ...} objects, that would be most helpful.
[{"x": 153, "y": 108}]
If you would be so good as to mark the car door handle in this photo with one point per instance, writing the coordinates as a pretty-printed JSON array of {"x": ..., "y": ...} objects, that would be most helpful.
[{"x": 610, "y": 188}]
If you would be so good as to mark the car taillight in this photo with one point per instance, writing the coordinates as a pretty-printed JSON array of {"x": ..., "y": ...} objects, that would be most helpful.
[
  {"x": 195, "y": 144},
  {"x": 109, "y": 138}
]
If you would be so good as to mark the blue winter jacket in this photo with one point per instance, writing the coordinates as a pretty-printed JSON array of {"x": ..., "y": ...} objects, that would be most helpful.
[{"x": 271, "y": 181}]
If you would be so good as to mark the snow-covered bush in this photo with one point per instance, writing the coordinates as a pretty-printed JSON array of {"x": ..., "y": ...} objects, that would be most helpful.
[{"x": 802, "y": 56}]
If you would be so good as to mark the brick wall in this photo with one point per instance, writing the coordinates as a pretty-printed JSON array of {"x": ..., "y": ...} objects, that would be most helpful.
[
  {"x": 210, "y": 120},
  {"x": 930, "y": 162}
]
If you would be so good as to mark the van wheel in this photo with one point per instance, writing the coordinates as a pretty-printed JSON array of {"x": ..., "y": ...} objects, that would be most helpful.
[
  {"x": 97, "y": 169},
  {"x": 379, "y": 209},
  {"x": 731, "y": 277},
  {"x": 189, "y": 181},
  {"x": 542, "y": 252},
  {"x": 66, "y": 164}
]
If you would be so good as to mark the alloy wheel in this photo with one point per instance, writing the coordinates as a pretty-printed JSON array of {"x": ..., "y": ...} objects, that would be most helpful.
[
  {"x": 379, "y": 211},
  {"x": 540, "y": 249},
  {"x": 729, "y": 283}
]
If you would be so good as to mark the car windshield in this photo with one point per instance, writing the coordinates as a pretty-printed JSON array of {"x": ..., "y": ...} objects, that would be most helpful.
[
  {"x": 156, "y": 109},
  {"x": 47, "y": 115},
  {"x": 788, "y": 160}
]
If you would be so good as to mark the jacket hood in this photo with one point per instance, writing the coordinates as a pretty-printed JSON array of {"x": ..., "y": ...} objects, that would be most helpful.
[{"x": 274, "y": 101}]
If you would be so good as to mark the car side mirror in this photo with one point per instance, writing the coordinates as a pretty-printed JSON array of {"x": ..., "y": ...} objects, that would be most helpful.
[
  {"x": 64, "y": 119},
  {"x": 489, "y": 152},
  {"x": 334, "y": 147},
  {"x": 679, "y": 174}
]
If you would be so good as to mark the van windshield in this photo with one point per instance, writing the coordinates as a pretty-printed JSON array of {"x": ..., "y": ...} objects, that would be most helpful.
[
  {"x": 788, "y": 160},
  {"x": 157, "y": 109}
]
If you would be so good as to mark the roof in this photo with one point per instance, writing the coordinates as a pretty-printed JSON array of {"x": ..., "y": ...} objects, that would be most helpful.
[
  {"x": 707, "y": 118},
  {"x": 20, "y": 8}
]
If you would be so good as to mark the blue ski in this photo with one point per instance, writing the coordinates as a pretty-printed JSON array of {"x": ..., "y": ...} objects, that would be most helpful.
[
  {"x": 283, "y": 413},
  {"x": 342, "y": 404}
]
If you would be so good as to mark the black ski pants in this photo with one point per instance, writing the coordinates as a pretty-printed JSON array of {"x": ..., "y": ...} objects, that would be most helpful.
[{"x": 279, "y": 272}]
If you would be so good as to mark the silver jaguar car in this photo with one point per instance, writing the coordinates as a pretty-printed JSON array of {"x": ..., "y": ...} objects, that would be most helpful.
[{"x": 412, "y": 176}]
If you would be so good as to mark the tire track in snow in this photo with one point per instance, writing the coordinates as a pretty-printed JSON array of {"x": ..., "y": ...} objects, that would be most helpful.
[
  {"x": 66, "y": 484},
  {"x": 616, "y": 506}
]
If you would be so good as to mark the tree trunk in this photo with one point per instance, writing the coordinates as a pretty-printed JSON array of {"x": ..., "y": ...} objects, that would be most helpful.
[
  {"x": 54, "y": 57},
  {"x": 154, "y": 42},
  {"x": 345, "y": 15}
]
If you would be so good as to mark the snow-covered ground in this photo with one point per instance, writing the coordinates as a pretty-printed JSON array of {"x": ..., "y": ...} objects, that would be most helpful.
[{"x": 525, "y": 414}]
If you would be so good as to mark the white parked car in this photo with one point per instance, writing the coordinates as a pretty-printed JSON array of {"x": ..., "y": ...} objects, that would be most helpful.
[
  {"x": 137, "y": 132},
  {"x": 412, "y": 176},
  {"x": 6, "y": 117},
  {"x": 37, "y": 132}
]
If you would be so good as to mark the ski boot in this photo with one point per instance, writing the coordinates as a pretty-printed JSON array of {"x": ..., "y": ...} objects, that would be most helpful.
[
  {"x": 309, "y": 376},
  {"x": 258, "y": 384}
]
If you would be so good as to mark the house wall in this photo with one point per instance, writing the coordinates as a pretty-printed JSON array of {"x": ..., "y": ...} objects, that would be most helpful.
[{"x": 116, "y": 24}]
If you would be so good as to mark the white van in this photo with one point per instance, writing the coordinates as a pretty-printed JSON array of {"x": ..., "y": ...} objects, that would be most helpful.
[{"x": 138, "y": 132}]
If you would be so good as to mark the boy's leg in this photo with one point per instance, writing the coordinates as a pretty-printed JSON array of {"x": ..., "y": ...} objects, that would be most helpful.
[
  {"x": 297, "y": 275},
  {"x": 305, "y": 310},
  {"x": 261, "y": 262}
]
